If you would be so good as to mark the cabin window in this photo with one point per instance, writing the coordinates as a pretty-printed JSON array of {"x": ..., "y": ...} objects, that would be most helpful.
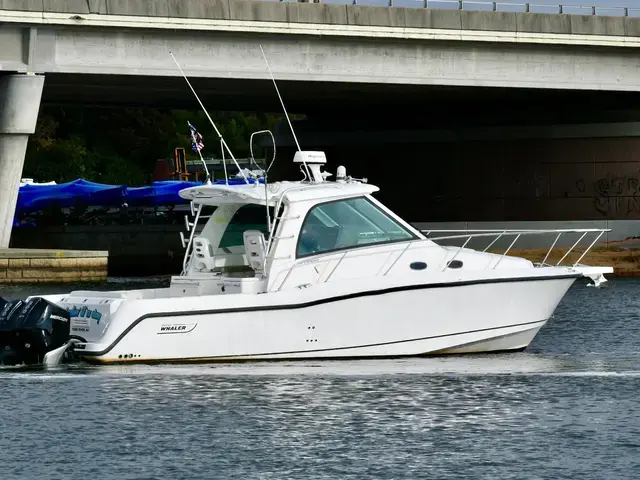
[
  {"x": 346, "y": 224},
  {"x": 454, "y": 264},
  {"x": 247, "y": 217}
]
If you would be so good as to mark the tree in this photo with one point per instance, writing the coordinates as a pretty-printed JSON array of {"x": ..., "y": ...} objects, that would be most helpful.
[{"x": 121, "y": 146}]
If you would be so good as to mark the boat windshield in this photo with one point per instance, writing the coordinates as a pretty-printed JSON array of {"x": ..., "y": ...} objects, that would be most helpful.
[{"x": 345, "y": 224}]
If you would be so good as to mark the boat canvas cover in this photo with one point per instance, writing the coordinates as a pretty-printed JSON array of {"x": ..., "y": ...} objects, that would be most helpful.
[{"x": 33, "y": 198}]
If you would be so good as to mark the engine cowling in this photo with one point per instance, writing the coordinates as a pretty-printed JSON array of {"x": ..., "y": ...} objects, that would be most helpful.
[{"x": 31, "y": 329}]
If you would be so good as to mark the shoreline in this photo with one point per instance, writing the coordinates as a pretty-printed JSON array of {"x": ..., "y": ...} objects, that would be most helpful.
[{"x": 623, "y": 256}]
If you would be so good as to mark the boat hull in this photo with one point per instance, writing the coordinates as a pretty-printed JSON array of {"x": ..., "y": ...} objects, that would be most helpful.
[{"x": 440, "y": 319}]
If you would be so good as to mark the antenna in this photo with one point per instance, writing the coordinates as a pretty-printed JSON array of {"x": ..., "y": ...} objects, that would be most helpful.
[
  {"x": 222, "y": 142},
  {"x": 285, "y": 112}
]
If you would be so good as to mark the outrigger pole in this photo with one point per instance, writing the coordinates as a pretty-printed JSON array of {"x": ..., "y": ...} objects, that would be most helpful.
[
  {"x": 222, "y": 142},
  {"x": 286, "y": 114}
]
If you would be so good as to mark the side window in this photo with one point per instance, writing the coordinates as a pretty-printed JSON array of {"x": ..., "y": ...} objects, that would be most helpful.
[
  {"x": 346, "y": 224},
  {"x": 247, "y": 217}
]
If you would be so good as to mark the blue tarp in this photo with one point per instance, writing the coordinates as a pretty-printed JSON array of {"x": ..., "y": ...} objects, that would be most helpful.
[
  {"x": 32, "y": 198},
  {"x": 238, "y": 181},
  {"x": 159, "y": 193}
]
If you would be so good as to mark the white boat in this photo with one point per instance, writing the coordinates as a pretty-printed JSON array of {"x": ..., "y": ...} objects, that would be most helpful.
[
  {"x": 309, "y": 269},
  {"x": 29, "y": 181},
  {"x": 319, "y": 269}
]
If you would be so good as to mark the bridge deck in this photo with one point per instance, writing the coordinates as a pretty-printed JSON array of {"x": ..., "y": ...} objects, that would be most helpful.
[{"x": 335, "y": 14}]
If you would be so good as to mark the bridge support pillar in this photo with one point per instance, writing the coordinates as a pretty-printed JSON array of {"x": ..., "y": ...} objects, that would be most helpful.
[{"x": 19, "y": 105}]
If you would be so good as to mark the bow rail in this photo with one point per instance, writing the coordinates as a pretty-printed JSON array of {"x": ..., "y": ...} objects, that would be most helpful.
[{"x": 497, "y": 234}]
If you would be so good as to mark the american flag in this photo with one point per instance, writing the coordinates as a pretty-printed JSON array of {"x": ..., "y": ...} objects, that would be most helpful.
[{"x": 196, "y": 138}]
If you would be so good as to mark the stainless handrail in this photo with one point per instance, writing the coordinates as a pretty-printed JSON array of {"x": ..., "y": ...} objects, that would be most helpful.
[
  {"x": 498, "y": 233},
  {"x": 518, "y": 233},
  {"x": 188, "y": 253}
]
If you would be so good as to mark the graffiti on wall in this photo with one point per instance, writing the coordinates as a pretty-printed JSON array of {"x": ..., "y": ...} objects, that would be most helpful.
[{"x": 615, "y": 195}]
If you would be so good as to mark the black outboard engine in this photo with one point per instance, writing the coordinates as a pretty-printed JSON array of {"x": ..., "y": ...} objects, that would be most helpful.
[
  {"x": 8, "y": 308},
  {"x": 29, "y": 330}
]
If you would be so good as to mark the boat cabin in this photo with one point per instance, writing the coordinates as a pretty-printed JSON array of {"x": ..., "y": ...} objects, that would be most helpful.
[
  {"x": 263, "y": 238},
  {"x": 260, "y": 238}
]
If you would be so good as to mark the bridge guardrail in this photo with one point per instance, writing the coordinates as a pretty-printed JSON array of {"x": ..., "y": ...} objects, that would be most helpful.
[{"x": 480, "y": 5}]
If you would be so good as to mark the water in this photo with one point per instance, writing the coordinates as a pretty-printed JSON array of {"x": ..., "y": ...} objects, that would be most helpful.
[{"x": 565, "y": 408}]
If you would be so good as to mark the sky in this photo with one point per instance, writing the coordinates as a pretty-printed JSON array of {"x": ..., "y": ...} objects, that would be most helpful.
[
  {"x": 584, "y": 3},
  {"x": 604, "y": 3},
  {"x": 615, "y": 3},
  {"x": 620, "y": 4},
  {"x": 607, "y": 3},
  {"x": 517, "y": 5}
]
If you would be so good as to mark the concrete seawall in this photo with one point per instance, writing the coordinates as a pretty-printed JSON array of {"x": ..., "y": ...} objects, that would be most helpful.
[
  {"x": 19, "y": 265},
  {"x": 134, "y": 250}
]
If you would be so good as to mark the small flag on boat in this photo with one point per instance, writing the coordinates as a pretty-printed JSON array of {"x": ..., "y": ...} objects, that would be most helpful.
[{"x": 196, "y": 138}]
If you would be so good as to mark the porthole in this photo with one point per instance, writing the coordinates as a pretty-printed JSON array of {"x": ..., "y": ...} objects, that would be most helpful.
[
  {"x": 454, "y": 264},
  {"x": 417, "y": 266}
]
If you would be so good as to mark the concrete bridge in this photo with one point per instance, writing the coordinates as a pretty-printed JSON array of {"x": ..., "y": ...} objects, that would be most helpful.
[{"x": 116, "y": 52}]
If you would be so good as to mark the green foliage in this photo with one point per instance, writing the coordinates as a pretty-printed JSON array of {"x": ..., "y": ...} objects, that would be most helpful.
[
  {"x": 121, "y": 146},
  {"x": 235, "y": 127},
  {"x": 61, "y": 160},
  {"x": 113, "y": 169}
]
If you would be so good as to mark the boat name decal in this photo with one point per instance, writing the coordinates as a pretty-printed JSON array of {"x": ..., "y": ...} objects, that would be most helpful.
[
  {"x": 84, "y": 312},
  {"x": 176, "y": 328}
]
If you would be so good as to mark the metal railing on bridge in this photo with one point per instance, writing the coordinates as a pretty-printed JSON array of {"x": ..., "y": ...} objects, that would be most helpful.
[{"x": 480, "y": 5}]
